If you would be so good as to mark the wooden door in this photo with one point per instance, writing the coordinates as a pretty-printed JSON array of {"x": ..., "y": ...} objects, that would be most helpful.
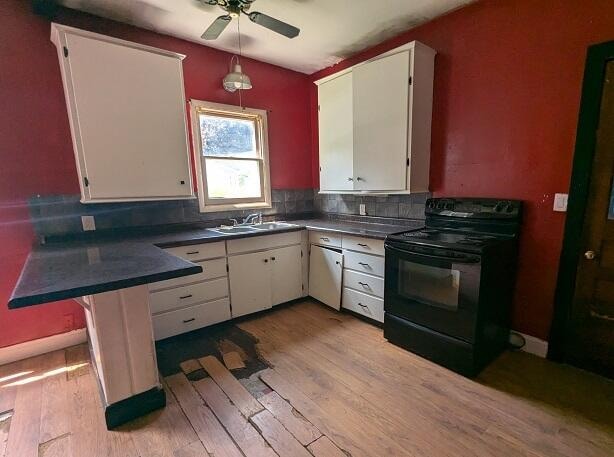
[
  {"x": 590, "y": 343},
  {"x": 336, "y": 133},
  {"x": 286, "y": 274},
  {"x": 325, "y": 270},
  {"x": 380, "y": 110},
  {"x": 250, "y": 282}
]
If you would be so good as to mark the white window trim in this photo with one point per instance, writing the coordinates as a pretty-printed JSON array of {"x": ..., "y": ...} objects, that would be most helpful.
[{"x": 199, "y": 106}]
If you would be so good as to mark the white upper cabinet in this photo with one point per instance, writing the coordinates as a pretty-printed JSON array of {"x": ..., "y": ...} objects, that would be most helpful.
[
  {"x": 375, "y": 123},
  {"x": 380, "y": 123},
  {"x": 336, "y": 133},
  {"x": 126, "y": 104}
]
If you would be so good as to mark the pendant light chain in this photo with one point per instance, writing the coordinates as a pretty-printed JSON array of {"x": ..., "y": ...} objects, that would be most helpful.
[{"x": 240, "y": 56}]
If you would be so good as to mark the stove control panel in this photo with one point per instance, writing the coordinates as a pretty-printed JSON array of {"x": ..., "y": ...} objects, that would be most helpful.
[{"x": 474, "y": 208}]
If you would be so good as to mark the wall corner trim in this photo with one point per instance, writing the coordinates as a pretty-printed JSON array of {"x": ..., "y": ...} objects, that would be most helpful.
[{"x": 40, "y": 346}]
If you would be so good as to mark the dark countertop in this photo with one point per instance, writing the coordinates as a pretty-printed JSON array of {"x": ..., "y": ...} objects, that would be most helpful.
[{"x": 72, "y": 269}]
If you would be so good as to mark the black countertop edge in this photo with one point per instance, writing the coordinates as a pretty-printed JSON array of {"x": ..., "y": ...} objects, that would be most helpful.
[{"x": 76, "y": 292}]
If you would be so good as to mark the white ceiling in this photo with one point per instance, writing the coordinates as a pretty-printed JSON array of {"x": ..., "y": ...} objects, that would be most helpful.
[{"x": 331, "y": 30}]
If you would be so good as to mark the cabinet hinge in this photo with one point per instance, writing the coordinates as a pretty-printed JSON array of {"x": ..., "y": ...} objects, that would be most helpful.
[
  {"x": 86, "y": 181},
  {"x": 411, "y": 80},
  {"x": 65, "y": 51},
  {"x": 227, "y": 269},
  {"x": 301, "y": 253},
  {"x": 303, "y": 287},
  {"x": 408, "y": 161}
]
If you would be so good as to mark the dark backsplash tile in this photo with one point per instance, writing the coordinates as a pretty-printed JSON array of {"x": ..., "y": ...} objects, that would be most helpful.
[{"x": 61, "y": 215}]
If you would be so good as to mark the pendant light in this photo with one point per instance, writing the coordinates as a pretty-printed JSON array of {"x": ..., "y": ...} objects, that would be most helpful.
[{"x": 236, "y": 79}]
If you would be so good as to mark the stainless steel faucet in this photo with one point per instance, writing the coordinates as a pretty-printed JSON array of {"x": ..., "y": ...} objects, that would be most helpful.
[{"x": 253, "y": 217}]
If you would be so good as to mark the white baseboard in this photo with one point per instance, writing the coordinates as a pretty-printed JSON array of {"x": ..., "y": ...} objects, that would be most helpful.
[
  {"x": 41, "y": 346},
  {"x": 533, "y": 345}
]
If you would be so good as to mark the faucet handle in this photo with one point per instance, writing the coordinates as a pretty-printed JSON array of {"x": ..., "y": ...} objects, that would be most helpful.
[{"x": 234, "y": 221}]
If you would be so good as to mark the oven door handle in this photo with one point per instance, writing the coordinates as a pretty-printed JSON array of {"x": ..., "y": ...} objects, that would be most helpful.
[{"x": 463, "y": 259}]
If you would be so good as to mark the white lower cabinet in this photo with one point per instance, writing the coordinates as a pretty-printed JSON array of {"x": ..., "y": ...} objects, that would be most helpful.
[
  {"x": 187, "y": 319},
  {"x": 263, "y": 279},
  {"x": 367, "y": 305},
  {"x": 325, "y": 269},
  {"x": 250, "y": 282},
  {"x": 286, "y": 274}
]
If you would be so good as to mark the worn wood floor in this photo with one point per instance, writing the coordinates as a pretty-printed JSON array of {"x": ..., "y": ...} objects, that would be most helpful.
[{"x": 337, "y": 388}]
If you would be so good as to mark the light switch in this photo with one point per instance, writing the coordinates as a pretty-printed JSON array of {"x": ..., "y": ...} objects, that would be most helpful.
[
  {"x": 560, "y": 202},
  {"x": 88, "y": 223}
]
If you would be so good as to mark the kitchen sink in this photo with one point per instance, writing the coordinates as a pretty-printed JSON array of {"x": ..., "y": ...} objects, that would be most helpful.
[
  {"x": 272, "y": 225},
  {"x": 235, "y": 229}
]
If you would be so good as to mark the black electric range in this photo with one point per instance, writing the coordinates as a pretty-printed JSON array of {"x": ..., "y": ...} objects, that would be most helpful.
[{"x": 449, "y": 285}]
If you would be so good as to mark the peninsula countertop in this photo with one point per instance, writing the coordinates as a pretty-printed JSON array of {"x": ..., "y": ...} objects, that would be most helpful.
[{"x": 72, "y": 269}]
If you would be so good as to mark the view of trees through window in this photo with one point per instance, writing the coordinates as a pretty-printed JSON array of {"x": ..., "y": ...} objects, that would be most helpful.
[{"x": 233, "y": 161}]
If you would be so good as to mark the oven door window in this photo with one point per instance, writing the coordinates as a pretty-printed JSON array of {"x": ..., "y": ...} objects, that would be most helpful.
[{"x": 429, "y": 285}]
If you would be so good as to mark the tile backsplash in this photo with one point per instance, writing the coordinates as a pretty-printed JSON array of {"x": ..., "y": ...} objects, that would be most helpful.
[
  {"x": 61, "y": 215},
  {"x": 396, "y": 206}
]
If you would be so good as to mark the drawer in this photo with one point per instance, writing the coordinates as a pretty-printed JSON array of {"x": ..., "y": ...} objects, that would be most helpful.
[
  {"x": 263, "y": 242},
  {"x": 199, "y": 251},
  {"x": 367, "y": 245},
  {"x": 364, "y": 263},
  {"x": 325, "y": 239},
  {"x": 364, "y": 304},
  {"x": 369, "y": 284},
  {"x": 180, "y": 297},
  {"x": 191, "y": 318},
  {"x": 211, "y": 269}
]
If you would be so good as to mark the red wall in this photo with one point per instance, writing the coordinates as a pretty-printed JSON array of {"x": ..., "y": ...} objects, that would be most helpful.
[
  {"x": 36, "y": 150},
  {"x": 508, "y": 78}
]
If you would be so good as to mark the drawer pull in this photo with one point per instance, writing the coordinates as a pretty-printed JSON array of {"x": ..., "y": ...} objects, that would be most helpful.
[
  {"x": 364, "y": 264},
  {"x": 363, "y": 245},
  {"x": 325, "y": 239},
  {"x": 365, "y": 285},
  {"x": 363, "y": 306},
  {"x": 193, "y": 252},
  {"x": 187, "y": 321},
  {"x": 185, "y": 296}
]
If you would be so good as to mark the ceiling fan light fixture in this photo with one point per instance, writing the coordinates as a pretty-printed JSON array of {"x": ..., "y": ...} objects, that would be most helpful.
[{"x": 237, "y": 80}]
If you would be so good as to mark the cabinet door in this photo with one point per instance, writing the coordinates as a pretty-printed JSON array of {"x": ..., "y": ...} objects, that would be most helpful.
[
  {"x": 128, "y": 121},
  {"x": 325, "y": 269},
  {"x": 250, "y": 283},
  {"x": 336, "y": 134},
  {"x": 380, "y": 101},
  {"x": 286, "y": 274}
]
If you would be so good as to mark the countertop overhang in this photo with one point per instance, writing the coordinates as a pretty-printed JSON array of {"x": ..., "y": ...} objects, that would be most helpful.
[{"x": 64, "y": 270}]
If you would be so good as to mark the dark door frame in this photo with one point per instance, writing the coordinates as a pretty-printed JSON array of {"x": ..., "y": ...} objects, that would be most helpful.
[{"x": 597, "y": 58}]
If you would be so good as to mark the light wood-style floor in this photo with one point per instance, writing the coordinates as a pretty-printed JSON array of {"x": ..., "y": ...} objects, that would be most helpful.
[{"x": 336, "y": 387}]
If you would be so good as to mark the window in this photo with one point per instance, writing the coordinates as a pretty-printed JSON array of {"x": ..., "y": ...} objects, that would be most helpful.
[{"x": 231, "y": 156}]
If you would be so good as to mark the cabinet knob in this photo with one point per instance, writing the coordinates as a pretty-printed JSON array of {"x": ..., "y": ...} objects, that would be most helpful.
[
  {"x": 272, "y": 258},
  {"x": 266, "y": 260},
  {"x": 337, "y": 262},
  {"x": 590, "y": 255},
  {"x": 358, "y": 178},
  {"x": 350, "y": 179}
]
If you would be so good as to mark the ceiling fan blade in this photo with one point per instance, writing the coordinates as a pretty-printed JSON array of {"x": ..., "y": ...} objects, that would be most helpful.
[
  {"x": 216, "y": 28},
  {"x": 274, "y": 24}
]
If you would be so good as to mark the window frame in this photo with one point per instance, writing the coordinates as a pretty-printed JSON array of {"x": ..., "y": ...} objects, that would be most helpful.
[{"x": 207, "y": 204}]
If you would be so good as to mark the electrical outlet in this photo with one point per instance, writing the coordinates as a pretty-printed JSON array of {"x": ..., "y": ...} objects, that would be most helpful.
[
  {"x": 560, "y": 203},
  {"x": 88, "y": 223},
  {"x": 362, "y": 209}
]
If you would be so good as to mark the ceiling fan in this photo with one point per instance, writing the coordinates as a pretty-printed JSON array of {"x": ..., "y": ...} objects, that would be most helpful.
[{"x": 234, "y": 8}]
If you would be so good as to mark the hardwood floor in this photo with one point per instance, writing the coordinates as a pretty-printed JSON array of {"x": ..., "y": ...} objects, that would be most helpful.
[{"x": 336, "y": 387}]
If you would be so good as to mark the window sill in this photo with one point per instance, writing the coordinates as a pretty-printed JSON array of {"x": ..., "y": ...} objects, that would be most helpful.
[{"x": 235, "y": 207}]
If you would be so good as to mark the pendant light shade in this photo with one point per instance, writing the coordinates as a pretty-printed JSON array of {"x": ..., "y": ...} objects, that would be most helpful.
[{"x": 237, "y": 80}]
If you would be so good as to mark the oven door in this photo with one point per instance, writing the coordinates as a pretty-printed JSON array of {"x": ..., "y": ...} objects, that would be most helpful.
[{"x": 432, "y": 287}]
